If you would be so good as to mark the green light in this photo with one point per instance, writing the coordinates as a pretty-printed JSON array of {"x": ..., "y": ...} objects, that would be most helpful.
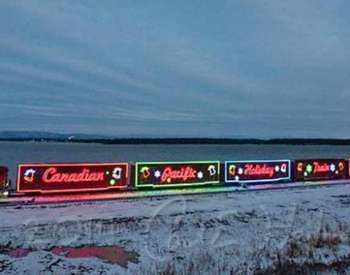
[{"x": 309, "y": 168}]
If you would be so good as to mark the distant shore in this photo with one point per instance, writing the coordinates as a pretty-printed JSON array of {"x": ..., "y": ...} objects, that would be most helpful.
[{"x": 281, "y": 141}]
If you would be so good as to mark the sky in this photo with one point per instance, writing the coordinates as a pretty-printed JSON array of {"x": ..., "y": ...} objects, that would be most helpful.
[{"x": 261, "y": 69}]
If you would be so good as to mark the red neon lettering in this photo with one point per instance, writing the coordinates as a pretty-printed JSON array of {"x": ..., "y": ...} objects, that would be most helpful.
[
  {"x": 321, "y": 168},
  {"x": 184, "y": 174},
  {"x": 258, "y": 170},
  {"x": 51, "y": 175}
]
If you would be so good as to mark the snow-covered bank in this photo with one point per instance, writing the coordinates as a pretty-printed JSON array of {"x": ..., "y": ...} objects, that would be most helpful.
[{"x": 264, "y": 232}]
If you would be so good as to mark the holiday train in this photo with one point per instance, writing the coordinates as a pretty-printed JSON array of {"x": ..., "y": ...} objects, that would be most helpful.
[{"x": 48, "y": 178}]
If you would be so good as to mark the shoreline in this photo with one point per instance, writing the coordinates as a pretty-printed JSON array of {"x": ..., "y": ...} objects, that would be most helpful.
[{"x": 189, "y": 141}]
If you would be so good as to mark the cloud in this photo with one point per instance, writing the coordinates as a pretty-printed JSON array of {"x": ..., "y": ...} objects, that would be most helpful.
[{"x": 228, "y": 68}]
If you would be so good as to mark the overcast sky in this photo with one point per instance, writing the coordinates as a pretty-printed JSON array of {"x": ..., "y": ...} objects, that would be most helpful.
[{"x": 265, "y": 68}]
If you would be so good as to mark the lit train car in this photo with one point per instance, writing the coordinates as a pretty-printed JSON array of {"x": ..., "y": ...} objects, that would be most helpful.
[
  {"x": 55, "y": 178},
  {"x": 257, "y": 172},
  {"x": 72, "y": 177},
  {"x": 176, "y": 174},
  {"x": 321, "y": 169}
]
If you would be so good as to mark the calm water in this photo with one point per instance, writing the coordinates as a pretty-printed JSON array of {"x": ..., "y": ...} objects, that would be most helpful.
[{"x": 13, "y": 153}]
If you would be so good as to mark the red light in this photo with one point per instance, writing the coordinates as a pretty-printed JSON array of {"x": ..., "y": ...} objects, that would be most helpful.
[
  {"x": 258, "y": 170},
  {"x": 183, "y": 174},
  {"x": 321, "y": 168},
  {"x": 52, "y": 176}
]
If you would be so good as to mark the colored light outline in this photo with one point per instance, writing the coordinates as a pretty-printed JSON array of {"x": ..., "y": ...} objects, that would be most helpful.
[
  {"x": 258, "y": 161},
  {"x": 125, "y": 164},
  {"x": 155, "y": 185}
]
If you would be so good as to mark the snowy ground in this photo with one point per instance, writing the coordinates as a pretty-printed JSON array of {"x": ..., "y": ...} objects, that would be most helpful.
[{"x": 259, "y": 232}]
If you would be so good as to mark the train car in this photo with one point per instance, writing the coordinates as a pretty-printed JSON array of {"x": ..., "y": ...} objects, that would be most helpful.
[
  {"x": 56, "y": 178},
  {"x": 320, "y": 169},
  {"x": 49, "y": 178},
  {"x": 257, "y": 172},
  {"x": 176, "y": 174},
  {"x": 4, "y": 180}
]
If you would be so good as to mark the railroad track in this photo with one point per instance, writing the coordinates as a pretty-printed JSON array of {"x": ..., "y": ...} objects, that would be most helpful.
[{"x": 18, "y": 200}]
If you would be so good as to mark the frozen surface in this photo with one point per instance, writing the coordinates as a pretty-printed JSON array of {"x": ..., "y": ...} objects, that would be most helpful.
[{"x": 262, "y": 232}]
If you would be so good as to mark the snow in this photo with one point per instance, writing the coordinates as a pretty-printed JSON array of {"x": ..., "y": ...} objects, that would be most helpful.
[{"x": 240, "y": 232}]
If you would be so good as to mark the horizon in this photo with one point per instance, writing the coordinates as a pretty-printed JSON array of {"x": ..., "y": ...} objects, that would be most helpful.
[{"x": 86, "y": 138}]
